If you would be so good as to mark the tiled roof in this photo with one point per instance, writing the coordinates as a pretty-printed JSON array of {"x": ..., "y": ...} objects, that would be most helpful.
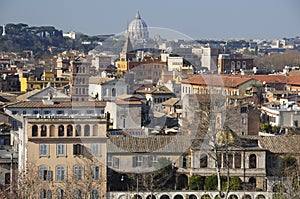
[
  {"x": 39, "y": 104},
  {"x": 155, "y": 90},
  {"x": 167, "y": 144},
  {"x": 131, "y": 102},
  {"x": 270, "y": 79},
  {"x": 217, "y": 80},
  {"x": 171, "y": 102},
  {"x": 281, "y": 144},
  {"x": 294, "y": 80}
]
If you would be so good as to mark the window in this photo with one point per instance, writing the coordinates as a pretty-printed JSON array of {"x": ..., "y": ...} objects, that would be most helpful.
[
  {"x": 184, "y": 161},
  {"x": 77, "y": 149},
  {"x": 90, "y": 112},
  {"x": 77, "y": 193},
  {"x": 230, "y": 160},
  {"x": 15, "y": 112},
  {"x": 219, "y": 159},
  {"x": 34, "y": 131},
  {"x": 44, "y": 149},
  {"x": 7, "y": 178},
  {"x": 95, "y": 148},
  {"x": 237, "y": 160},
  {"x": 238, "y": 65},
  {"x": 96, "y": 172},
  {"x": 43, "y": 194},
  {"x": 137, "y": 161},
  {"x": 243, "y": 109},
  {"x": 87, "y": 130},
  {"x": 232, "y": 65},
  {"x": 152, "y": 160},
  {"x": 203, "y": 161},
  {"x": 244, "y": 64},
  {"x": 61, "y": 149},
  {"x": 24, "y": 113},
  {"x": 60, "y": 193},
  {"x": 113, "y": 161},
  {"x": 94, "y": 194},
  {"x": 45, "y": 174},
  {"x": 252, "y": 161},
  {"x": 52, "y": 131},
  {"x": 77, "y": 172},
  {"x": 243, "y": 121},
  {"x": 47, "y": 112},
  {"x": 69, "y": 130},
  {"x": 49, "y": 194},
  {"x": 61, "y": 130},
  {"x": 78, "y": 130},
  {"x": 60, "y": 112},
  {"x": 60, "y": 173},
  {"x": 95, "y": 130},
  {"x": 35, "y": 112},
  {"x": 43, "y": 130}
]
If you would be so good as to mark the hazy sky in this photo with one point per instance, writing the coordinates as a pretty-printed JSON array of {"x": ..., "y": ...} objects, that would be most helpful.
[{"x": 215, "y": 19}]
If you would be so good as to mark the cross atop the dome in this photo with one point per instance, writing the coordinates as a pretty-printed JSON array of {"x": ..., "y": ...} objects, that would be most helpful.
[{"x": 138, "y": 16}]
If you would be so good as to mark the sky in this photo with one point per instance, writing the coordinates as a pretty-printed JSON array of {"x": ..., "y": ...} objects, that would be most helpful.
[{"x": 198, "y": 19}]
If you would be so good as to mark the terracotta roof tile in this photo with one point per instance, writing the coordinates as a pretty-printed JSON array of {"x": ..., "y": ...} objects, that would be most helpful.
[
  {"x": 131, "y": 102},
  {"x": 217, "y": 80},
  {"x": 270, "y": 79},
  {"x": 294, "y": 80}
]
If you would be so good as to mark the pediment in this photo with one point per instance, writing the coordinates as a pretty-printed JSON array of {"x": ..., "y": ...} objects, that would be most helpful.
[{"x": 49, "y": 92}]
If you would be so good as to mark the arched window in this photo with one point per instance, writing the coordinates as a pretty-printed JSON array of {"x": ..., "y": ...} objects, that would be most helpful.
[
  {"x": 244, "y": 64},
  {"x": 43, "y": 130},
  {"x": 69, "y": 130},
  {"x": 203, "y": 161},
  {"x": 94, "y": 194},
  {"x": 238, "y": 65},
  {"x": 34, "y": 131},
  {"x": 237, "y": 160},
  {"x": 252, "y": 182},
  {"x": 78, "y": 130},
  {"x": 252, "y": 161},
  {"x": 232, "y": 65},
  {"x": 95, "y": 130},
  {"x": 113, "y": 92},
  {"x": 77, "y": 193},
  {"x": 77, "y": 172},
  {"x": 52, "y": 131},
  {"x": 61, "y": 130},
  {"x": 87, "y": 130},
  {"x": 59, "y": 193}
]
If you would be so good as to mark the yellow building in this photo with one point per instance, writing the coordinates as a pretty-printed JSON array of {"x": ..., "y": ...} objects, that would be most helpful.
[
  {"x": 62, "y": 147},
  {"x": 23, "y": 82}
]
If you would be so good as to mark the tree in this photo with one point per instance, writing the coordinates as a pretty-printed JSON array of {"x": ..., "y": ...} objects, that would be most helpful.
[
  {"x": 289, "y": 172},
  {"x": 235, "y": 184},
  {"x": 207, "y": 120},
  {"x": 196, "y": 182}
]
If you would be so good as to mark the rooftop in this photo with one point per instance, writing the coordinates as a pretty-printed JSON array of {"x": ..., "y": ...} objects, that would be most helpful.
[
  {"x": 281, "y": 144},
  {"x": 217, "y": 80}
]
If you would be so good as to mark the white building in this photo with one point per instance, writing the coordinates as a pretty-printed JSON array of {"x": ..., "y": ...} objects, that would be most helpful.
[{"x": 287, "y": 115}]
